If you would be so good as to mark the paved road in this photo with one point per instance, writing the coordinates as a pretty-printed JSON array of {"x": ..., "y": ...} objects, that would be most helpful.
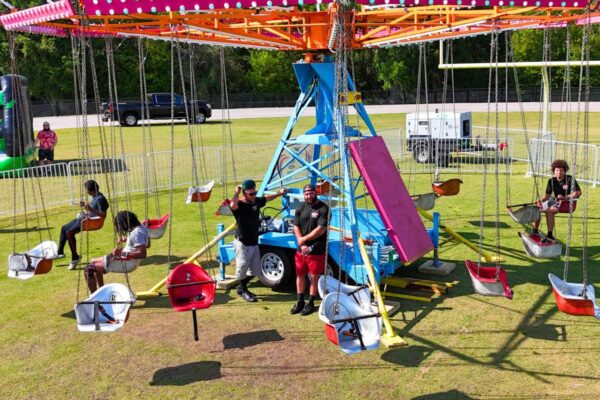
[{"x": 240, "y": 113}]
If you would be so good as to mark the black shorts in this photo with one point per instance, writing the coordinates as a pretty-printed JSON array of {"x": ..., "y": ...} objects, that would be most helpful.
[{"x": 44, "y": 154}]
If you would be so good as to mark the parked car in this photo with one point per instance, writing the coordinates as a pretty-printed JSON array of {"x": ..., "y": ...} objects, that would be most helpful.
[{"x": 158, "y": 107}]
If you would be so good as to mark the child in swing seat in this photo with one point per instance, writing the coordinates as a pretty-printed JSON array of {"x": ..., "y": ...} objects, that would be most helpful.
[
  {"x": 560, "y": 188},
  {"x": 135, "y": 236}
]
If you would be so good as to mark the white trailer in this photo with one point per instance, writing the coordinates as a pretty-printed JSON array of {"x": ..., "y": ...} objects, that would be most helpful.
[{"x": 431, "y": 136}]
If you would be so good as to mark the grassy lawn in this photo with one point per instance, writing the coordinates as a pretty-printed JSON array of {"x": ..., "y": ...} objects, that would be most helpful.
[{"x": 461, "y": 345}]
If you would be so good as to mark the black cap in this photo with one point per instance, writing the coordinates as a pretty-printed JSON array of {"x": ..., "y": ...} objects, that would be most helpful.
[{"x": 309, "y": 188}]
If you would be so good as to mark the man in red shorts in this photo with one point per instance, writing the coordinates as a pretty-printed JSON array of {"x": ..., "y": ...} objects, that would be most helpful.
[
  {"x": 310, "y": 228},
  {"x": 46, "y": 140}
]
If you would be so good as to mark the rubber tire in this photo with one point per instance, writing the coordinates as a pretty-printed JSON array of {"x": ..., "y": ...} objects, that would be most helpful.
[
  {"x": 200, "y": 118},
  {"x": 285, "y": 268},
  {"x": 421, "y": 153},
  {"x": 129, "y": 119}
]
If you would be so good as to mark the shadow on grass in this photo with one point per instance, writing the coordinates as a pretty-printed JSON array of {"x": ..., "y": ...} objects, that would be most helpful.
[
  {"x": 248, "y": 339},
  {"x": 187, "y": 373},
  {"x": 69, "y": 314},
  {"x": 450, "y": 394},
  {"x": 490, "y": 224},
  {"x": 407, "y": 357}
]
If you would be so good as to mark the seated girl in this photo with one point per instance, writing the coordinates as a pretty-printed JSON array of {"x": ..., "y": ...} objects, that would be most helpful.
[{"x": 123, "y": 260}]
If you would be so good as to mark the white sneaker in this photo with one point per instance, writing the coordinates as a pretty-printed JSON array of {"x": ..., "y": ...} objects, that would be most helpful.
[{"x": 74, "y": 263}]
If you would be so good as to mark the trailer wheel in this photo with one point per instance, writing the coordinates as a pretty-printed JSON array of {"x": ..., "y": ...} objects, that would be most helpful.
[
  {"x": 421, "y": 153},
  {"x": 275, "y": 267},
  {"x": 129, "y": 119},
  {"x": 200, "y": 118}
]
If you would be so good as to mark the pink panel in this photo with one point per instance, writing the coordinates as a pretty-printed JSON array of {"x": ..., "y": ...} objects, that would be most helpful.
[
  {"x": 112, "y": 7},
  {"x": 391, "y": 198},
  {"x": 48, "y": 12},
  {"x": 43, "y": 30}
]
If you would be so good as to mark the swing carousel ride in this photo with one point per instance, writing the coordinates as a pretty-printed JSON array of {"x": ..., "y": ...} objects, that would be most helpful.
[{"x": 316, "y": 27}]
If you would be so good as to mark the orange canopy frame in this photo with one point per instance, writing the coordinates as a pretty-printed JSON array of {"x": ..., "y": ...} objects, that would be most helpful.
[{"x": 290, "y": 28}]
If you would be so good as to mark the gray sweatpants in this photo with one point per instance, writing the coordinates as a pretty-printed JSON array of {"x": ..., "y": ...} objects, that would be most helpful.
[{"x": 247, "y": 258}]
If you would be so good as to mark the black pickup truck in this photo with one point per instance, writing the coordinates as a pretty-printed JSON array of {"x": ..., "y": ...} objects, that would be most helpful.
[{"x": 159, "y": 107}]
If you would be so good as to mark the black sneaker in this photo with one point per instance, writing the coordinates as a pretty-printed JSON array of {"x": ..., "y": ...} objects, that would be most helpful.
[
  {"x": 249, "y": 297},
  {"x": 298, "y": 307},
  {"x": 309, "y": 308},
  {"x": 239, "y": 290}
]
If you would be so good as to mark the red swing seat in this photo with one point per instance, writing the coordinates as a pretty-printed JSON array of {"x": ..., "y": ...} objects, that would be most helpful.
[
  {"x": 489, "y": 281},
  {"x": 191, "y": 288},
  {"x": 565, "y": 206},
  {"x": 90, "y": 223},
  {"x": 451, "y": 187},
  {"x": 157, "y": 227},
  {"x": 200, "y": 194},
  {"x": 571, "y": 298}
]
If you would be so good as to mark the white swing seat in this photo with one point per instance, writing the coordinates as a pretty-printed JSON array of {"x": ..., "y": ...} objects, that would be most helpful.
[
  {"x": 536, "y": 247},
  {"x": 199, "y": 194},
  {"x": 360, "y": 294},
  {"x": 571, "y": 298},
  {"x": 524, "y": 215},
  {"x": 123, "y": 264},
  {"x": 106, "y": 310},
  {"x": 349, "y": 326},
  {"x": 489, "y": 281},
  {"x": 425, "y": 201},
  {"x": 36, "y": 261}
]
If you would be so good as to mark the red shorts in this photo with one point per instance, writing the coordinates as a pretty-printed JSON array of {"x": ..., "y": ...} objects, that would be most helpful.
[{"x": 312, "y": 263}]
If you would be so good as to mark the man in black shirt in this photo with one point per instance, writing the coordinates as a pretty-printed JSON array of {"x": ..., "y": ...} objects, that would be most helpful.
[
  {"x": 561, "y": 187},
  {"x": 247, "y": 216},
  {"x": 96, "y": 207},
  {"x": 310, "y": 227}
]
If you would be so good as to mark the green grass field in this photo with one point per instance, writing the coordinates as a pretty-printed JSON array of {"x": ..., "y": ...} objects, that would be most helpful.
[{"x": 461, "y": 346}]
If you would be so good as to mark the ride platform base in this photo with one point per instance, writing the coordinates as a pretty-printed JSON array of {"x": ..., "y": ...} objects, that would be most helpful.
[
  {"x": 436, "y": 268},
  {"x": 227, "y": 283},
  {"x": 392, "y": 342}
]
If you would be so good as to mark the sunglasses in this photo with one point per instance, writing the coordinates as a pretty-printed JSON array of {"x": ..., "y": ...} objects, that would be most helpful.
[{"x": 251, "y": 193}]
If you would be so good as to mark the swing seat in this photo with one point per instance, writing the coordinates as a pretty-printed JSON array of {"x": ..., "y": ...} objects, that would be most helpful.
[
  {"x": 37, "y": 261},
  {"x": 572, "y": 298},
  {"x": 524, "y": 215},
  {"x": 123, "y": 264},
  {"x": 489, "y": 281},
  {"x": 190, "y": 288},
  {"x": 200, "y": 194},
  {"x": 224, "y": 209},
  {"x": 360, "y": 294},
  {"x": 157, "y": 227},
  {"x": 536, "y": 247},
  {"x": 565, "y": 206},
  {"x": 451, "y": 187},
  {"x": 425, "y": 201},
  {"x": 106, "y": 310},
  {"x": 91, "y": 223},
  {"x": 323, "y": 187},
  {"x": 348, "y": 325}
]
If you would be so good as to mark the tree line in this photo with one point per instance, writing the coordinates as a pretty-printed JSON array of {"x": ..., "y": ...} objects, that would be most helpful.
[{"x": 48, "y": 63}]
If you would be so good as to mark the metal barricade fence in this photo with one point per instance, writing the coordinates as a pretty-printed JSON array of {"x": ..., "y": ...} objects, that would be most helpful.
[
  {"x": 518, "y": 138},
  {"x": 545, "y": 151},
  {"x": 62, "y": 183}
]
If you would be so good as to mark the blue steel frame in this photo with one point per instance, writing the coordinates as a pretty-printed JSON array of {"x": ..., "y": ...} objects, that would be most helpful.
[{"x": 316, "y": 81}]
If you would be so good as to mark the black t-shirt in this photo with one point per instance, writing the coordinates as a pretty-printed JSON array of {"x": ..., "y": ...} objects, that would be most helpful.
[
  {"x": 98, "y": 203},
  {"x": 563, "y": 187},
  {"x": 308, "y": 217},
  {"x": 247, "y": 217}
]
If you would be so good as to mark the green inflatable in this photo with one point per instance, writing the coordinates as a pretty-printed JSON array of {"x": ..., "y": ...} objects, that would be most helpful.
[{"x": 16, "y": 123}]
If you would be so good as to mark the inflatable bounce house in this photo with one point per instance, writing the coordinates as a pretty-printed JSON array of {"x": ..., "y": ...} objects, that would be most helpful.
[{"x": 16, "y": 124}]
